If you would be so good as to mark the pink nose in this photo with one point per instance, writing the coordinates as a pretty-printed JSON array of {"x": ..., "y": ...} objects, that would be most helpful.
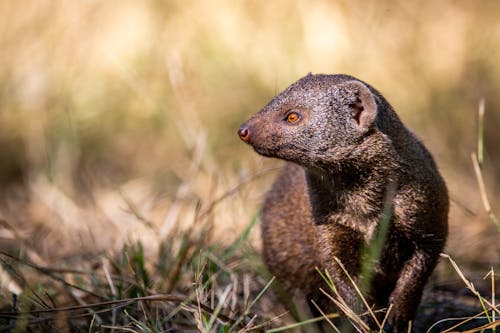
[{"x": 244, "y": 133}]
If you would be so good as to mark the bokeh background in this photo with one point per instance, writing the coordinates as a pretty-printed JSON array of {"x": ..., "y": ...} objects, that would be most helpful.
[{"x": 118, "y": 119}]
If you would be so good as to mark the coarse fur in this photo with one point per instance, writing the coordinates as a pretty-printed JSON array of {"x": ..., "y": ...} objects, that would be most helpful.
[{"x": 350, "y": 155}]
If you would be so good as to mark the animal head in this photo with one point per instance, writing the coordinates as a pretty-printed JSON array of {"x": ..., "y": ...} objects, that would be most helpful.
[{"x": 317, "y": 120}]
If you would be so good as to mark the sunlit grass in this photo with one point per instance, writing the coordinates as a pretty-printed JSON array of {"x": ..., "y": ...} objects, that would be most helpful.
[{"x": 126, "y": 197}]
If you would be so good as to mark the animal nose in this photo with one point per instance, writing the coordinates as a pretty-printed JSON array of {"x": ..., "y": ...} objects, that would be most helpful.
[{"x": 244, "y": 133}]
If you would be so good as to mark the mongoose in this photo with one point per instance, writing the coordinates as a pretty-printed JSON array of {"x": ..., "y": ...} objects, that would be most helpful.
[{"x": 348, "y": 151}]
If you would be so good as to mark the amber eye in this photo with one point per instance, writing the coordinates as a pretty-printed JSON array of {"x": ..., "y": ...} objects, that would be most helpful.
[{"x": 293, "y": 117}]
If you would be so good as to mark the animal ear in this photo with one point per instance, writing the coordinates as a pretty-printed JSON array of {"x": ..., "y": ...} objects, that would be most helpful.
[{"x": 364, "y": 107}]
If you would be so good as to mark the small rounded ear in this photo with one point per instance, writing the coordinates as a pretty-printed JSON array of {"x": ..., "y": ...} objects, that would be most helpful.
[{"x": 364, "y": 108}]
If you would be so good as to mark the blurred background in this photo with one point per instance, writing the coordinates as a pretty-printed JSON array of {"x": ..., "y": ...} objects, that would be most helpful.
[{"x": 118, "y": 119}]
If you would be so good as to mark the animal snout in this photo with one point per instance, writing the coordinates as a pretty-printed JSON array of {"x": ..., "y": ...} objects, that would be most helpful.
[{"x": 244, "y": 133}]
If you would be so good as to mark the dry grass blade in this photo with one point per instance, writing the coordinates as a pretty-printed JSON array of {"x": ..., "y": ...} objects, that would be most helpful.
[
  {"x": 327, "y": 317},
  {"x": 480, "y": 133},
  {"x": 387, "y": 316},
  {"x": 189, "y": 300},
  {"x": 327, "y": 278},
  {"x": 109, "y": 280},
  {"x": 471, "y": 287},
  {"x": 356, "y": 321},
  {"x": 463, "y": 320},
  {"x": 492, "y": 325},
  {"x": 105, "y": 265},
  {"x": 267, "y": 323},
  {"x": 249, "y": 325},
  {"x": 6, "y": 281},
  {"x": 187, "y": 249},
  {"x": 482, "y": 191},
  {"x": 295, "y": 325},
  {"x": 31, "y": 254},
  {"x": 493, "y": 302},
  {"x": 358, "y": 291},
  {"x": 152, "y": 298},
  {"x": 477, "y": 162},
  {"x": 215, "y": 314},
  {"x": 49, "y": 272},
  {"x": 247, "y": 309}
]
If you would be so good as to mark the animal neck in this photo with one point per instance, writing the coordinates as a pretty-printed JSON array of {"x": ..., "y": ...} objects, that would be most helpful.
[{"x": 355, "y": 187}]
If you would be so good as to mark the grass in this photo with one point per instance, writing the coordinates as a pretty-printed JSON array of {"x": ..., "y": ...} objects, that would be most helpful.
[
  {"x": 191, "y": 283},
  {"x": 127, "y": 203},
  {"x": 180, "y": 275},
  {"x": 207, "y": 290},
  {"x": 477, "y": 162}
]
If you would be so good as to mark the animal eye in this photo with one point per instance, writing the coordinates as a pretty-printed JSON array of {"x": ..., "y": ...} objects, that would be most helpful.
[{"x": 293, "y": 117}]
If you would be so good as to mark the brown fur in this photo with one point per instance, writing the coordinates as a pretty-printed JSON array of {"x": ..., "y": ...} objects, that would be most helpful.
[{"x": 347, "y": 149}]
